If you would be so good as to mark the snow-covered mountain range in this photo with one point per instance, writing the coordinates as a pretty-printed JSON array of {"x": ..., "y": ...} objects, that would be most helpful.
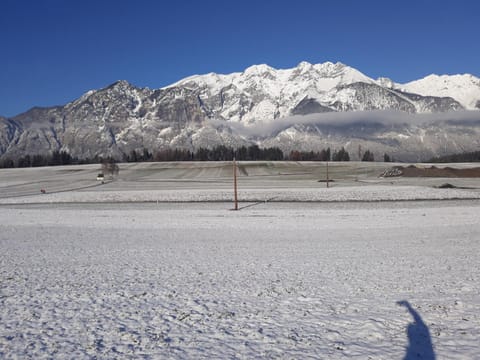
[{"x": 308, "y": 107}]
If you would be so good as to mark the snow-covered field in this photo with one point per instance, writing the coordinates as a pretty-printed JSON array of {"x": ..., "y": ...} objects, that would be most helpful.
[
  {"x": 324, "y": 279},
  {"x": 340, "y": 194}
]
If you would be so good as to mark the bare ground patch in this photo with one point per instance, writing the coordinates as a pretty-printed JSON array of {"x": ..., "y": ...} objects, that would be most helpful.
[{"x": 431, "y": 171}]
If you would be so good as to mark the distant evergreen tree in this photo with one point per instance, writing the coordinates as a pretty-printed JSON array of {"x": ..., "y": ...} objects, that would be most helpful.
[
  {"x": 202, "y": 154},
  {"x": 133, "y": 156},
  {"x": 272, "y": 154},
  {"x": 341, "y": 155},
  {"x": 39, "y": 160},
  {"x": 57, "y": 158},
  {"x": 24, "y": 161},
  {"x": 7, "y": 163},
  {"x": 253, "y": 152},
  {"x": 241, "y": 153},
  {"x": 368, "y": 156},
  {"x": 296, "y": 155},
  {"x": 222, "y": 153},
  {"x": 386, "y": 158},
  {"x": 325, "y": 154},
  {"x": 147, "y": 155}
]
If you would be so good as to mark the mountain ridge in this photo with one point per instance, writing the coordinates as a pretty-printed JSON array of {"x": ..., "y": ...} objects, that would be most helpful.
[{"x": 235, "y": 109}]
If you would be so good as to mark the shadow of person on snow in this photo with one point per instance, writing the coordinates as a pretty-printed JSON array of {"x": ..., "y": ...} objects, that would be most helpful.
[{"x": 419, "y": 340}]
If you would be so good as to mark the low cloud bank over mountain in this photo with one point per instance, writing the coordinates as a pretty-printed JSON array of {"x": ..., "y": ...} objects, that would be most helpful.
[{"x": 374, "y": 120}]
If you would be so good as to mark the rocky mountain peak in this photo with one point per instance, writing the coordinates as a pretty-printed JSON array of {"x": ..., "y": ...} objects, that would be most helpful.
[
  {"x": 304, "y": 66},
  {"x": 120, "y": 86},
  {"x": 260, "y": 105},
  {"x": 464, "y": 88},
  {"x": 386, "y": 82},
  {"x": 257, "y": 70}
]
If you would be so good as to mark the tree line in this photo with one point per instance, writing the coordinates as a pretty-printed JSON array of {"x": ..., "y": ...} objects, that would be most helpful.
[
  {"x": 217, "y": 153},
  {"x": 53, "y": 159},
  {"x": 250, "y": 153},
  {"x": 473, "y": 156}
]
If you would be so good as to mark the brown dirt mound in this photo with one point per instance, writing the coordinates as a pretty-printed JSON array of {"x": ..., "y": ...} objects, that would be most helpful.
[{"x": 433, "y": 171}]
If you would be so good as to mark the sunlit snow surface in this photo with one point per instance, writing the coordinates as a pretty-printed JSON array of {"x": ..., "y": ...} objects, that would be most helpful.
[
  {"x": 273, "y": 280},
  {"x": 335, "y": 194}
]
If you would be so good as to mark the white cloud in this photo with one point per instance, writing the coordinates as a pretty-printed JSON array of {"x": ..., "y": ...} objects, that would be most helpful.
[{"x": 372, "y": 119}]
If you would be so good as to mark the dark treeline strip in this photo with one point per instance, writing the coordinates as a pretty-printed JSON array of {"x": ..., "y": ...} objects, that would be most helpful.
[
  {"x": 53, "y": 159},
  {"x": 218, "y": 153},
  {"x": 473, "y": 156},
  {"x": 250, "y": 153}
]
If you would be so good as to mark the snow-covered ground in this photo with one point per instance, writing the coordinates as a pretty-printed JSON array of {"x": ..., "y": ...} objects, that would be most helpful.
[
  {"x": 364, "y": 280},
  {"x": 319, "y": 194},
  {"x": 156, "y": 265}
]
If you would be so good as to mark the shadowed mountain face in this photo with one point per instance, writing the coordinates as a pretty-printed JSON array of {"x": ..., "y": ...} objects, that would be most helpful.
[
  {"x": 238, "y": 109},
  {"x": 9, "y": 131}
]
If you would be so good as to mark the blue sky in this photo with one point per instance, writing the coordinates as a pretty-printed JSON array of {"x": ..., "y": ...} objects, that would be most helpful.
[{"x": 52, "y": 51}]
